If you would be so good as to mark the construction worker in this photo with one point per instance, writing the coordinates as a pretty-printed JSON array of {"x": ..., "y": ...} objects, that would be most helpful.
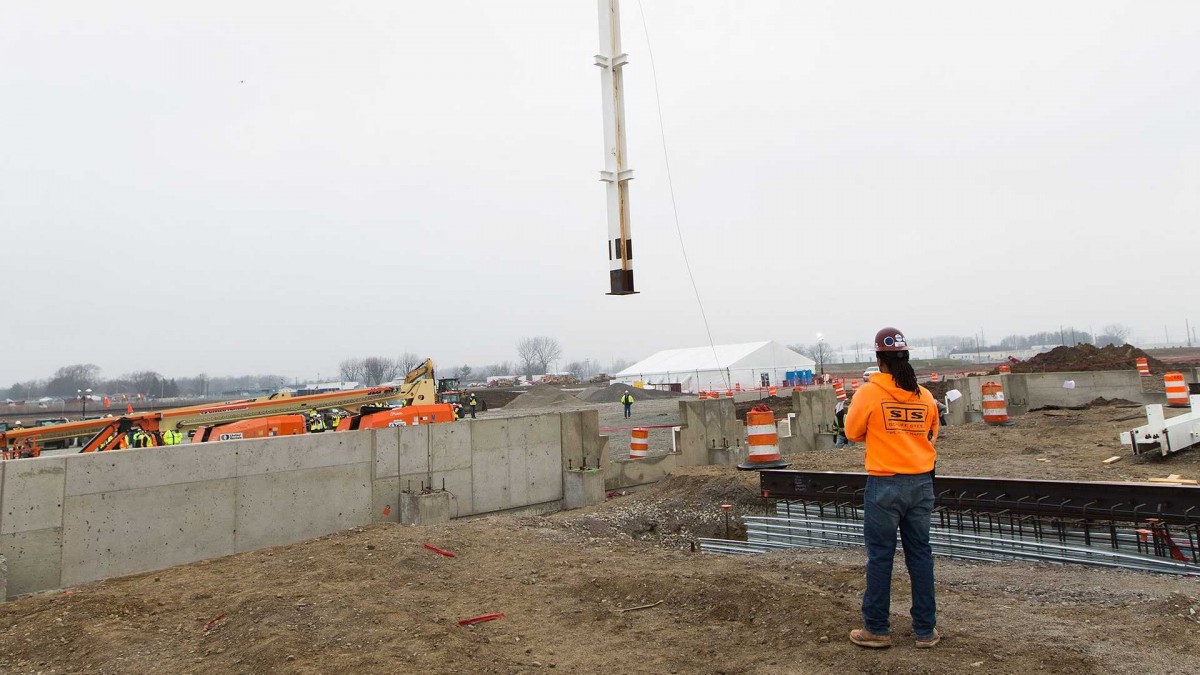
[
  {"x": 627, "y": 401},
  {"x": 839, "y": 424},
  {"x": 171, "y": 437},
  {"x": 898, "y": 420},
  {"x": 315, "y": 423},
  {"x": 473, "y": 403}
]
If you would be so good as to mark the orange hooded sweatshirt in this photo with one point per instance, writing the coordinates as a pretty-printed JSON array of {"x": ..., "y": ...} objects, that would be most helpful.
[{"x": 898, "y": 426}]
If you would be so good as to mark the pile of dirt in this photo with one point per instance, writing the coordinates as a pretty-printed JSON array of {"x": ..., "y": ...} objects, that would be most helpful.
[
  {"x": 496, "y": 398},
  {"x": 1085, "y": 357},
  {"x": 612, "y": 393},
  {"x": 780, "y": 405},
  {"x": 543, "y": 396},
  {"x": 1097, "y": 402}
]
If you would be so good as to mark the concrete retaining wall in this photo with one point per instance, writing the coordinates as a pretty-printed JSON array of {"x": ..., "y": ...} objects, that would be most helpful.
[{"x": 71, "y": 519}]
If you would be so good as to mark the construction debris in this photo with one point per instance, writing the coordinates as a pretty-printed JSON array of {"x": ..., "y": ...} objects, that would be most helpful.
[{"x": 1113, "y": 460}]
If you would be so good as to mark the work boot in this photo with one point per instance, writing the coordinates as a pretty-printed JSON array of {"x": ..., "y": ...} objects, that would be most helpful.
[
  {"x": 865, "y": 638},
  {"x": 927, "y": 642}
]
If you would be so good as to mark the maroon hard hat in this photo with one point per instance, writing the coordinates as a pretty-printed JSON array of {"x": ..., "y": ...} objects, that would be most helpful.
[{"x": 890, "y": 340}]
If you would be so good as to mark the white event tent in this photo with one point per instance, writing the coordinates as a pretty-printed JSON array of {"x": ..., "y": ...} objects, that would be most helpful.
[{"x": 752, "y": 364}]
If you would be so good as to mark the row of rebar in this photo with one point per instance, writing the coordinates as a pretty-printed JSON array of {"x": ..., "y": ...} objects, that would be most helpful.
[{"x": 1148, "y": 546}]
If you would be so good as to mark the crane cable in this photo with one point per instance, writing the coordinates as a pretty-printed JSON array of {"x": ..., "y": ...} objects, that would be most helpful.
[{"x": 674, "y": 207}]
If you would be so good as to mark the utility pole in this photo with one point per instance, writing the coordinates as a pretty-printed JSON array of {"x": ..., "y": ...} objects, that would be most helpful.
[{"x": 616, "y": 175}]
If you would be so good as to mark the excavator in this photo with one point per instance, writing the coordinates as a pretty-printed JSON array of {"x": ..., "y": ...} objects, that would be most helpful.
[{"x": 370, "y": 408}]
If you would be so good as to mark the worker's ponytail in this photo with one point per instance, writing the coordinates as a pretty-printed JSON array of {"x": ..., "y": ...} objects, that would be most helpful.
[{"x": 901, "y": 371}]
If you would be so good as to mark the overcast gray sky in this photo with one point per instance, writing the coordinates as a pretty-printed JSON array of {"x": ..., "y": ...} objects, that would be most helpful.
[{"x": 273, "y": 186}]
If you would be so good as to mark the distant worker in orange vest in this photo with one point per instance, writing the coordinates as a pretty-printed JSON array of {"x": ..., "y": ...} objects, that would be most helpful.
[{"x": 898, "y": 419}]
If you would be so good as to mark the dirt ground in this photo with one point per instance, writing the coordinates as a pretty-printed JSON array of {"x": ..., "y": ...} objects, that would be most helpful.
[{"x": 374, "y": 600}]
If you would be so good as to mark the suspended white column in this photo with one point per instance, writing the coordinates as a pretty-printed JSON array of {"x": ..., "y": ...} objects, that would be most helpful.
[{"x": 615, "y": 174}]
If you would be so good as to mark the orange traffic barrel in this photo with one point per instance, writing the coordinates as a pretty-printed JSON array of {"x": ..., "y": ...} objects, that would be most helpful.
[
  {"x": 1143, "y": 366},
  {"x": 1005, "y": 369},
  {"x": 762, "y": 439},
  {"x": 933, "y": 377},
  {"x": 728, "y": 393},
  {"x": 839, "y": 391},
  {"x": 1177, "y": 390},
  {"x": 771, "y": 391},
  {"x": 995, "y": 412},
  {"x": 639, "y": 443}
]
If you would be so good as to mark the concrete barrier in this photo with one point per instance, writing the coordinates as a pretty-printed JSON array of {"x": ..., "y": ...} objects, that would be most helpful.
[{"x": 71, "y": 519}]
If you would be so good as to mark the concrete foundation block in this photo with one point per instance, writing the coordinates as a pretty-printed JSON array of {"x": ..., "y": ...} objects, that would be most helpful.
[
  {"x": 624, "y": 473},
  {"x": 726, "y": 456},
  {"x": 582, "y": 488},
  {"x": 424, "y": 509}
]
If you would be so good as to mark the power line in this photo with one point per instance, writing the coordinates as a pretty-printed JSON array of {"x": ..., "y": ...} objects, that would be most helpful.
[{"x": 671, "y": 189}]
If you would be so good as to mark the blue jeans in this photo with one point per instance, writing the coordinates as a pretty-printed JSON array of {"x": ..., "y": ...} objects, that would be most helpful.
[
  {"x": 628, "y": 407},
  {"x": 903, "y": 502}
]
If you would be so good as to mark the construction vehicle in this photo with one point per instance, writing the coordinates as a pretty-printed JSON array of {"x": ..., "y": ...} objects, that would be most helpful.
[
  {"x": 110, "y": 433},
  {"x": 448, "y": 391}
]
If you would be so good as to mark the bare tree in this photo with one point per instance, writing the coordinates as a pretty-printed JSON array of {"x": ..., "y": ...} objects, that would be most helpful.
[
  {"x": 378, "y": 369},
  {"x": 1113, "y": 334},
  {"x": 820, "y": 352},
  {"x": 351, "y": 370},
  {"x": 408, "y": 361},
  {"x": 527, "y": 353},
  {"x": 537, "y": 353}
]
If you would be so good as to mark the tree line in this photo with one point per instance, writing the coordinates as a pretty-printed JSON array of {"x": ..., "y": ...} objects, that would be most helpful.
[{"x": 534, "y": 356}]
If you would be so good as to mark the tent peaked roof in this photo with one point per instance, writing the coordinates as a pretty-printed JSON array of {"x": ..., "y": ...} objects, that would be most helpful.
[{"x": 755, "y": 354}]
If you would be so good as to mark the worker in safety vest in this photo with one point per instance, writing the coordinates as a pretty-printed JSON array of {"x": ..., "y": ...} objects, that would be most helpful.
[
  {"x": 473, "y": 403},
  {"x": 315, "y": 423},
  {"x": 898, "y": 421},
  {"x": 331, "y": 419},
  {"x": 172, "y": 437},
  {"x": 627, "y": 401}
]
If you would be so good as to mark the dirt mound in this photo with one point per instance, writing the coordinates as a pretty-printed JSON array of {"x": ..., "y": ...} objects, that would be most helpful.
[
  {"x": 543, "y": 396},
  {"x": 1085, "y": 357},
  {"x": 496, "y": 398},
  {"x": 612, "y": 394},
  {"x": 779, "y": 405}
]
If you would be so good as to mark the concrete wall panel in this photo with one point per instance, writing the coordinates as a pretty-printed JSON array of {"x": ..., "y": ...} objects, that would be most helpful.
[
  {"x": 385, "y": 500},
  {"x": 33, "y": 494},
  {"x": 149, "y": 467},
  {"x": 387, "y": 452},
  {"x": 292, "y": 453},
  {"x": 115, "y": 533},
  {"x": 451, "y": 446},
  {"x": 34, "y": 560},
  {"x": 414, "y": 449},
  {"x": 280, "y": 508},
  {"x": 542, "y": 479},
  {"x": 571, "y": 439}
]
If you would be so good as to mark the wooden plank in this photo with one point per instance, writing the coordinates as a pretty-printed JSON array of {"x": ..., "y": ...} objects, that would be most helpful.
[{"x": 1113, "y": 460}]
